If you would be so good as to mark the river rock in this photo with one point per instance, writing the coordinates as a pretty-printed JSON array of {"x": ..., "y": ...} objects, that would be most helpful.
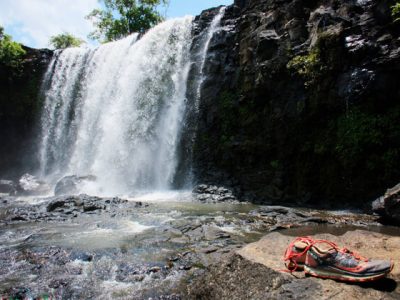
[
  {"x": 8, "y": 187},
  {"x": 254, "y": 272},
  {"x": 30, "y": 185},
  {"x": 69, "y": 185},
  {"x": 213, "y": 194},
  {"x": 63, "y": 208},
  {"x": 388, "y": 206}
]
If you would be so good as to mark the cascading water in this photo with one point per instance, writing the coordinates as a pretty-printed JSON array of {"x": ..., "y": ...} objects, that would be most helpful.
[
  {"x": 214, "y": 26},
  {"x": 116, "y": 111},
  {"x": 199, "y": 58}
]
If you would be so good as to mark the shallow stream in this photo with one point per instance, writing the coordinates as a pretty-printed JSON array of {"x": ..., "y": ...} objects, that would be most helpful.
[{"x": 149, "y": 250}]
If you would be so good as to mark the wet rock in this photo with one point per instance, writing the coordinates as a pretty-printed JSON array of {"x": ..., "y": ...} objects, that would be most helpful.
[
  {"x": 70, "y": 185},
  {"x": 154, "y": 269},
  {"x": 62, "y": 208},
  {"x": 212, "y": 233},
  {"x": 253, "y": 272},
  {"x": 388, "y": 206},
  {"x": 280, "y": 217},
  {"x": 83, "y": 256},
  {"x": 19, "y": 293},
  {"x": 354, "y": 84},
  {"x": 214, "y": 194},
  {"x": 30, "y": 185},
  {"x": 210, "y": 249},
  {"x": 267, "y": 44},
  {"x": 8, "y": 187}
]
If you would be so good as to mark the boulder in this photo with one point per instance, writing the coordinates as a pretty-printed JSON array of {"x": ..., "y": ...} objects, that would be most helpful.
[
  {"x": 388, "y": 206},
  {"x": 70, "y": 185},
  {"x": 255, "y": 272},
  {"x": 8, "y": 187},
  {"x": 30, "y": 185}
]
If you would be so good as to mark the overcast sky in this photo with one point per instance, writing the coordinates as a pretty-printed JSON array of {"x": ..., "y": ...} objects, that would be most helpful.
[{"x": 33, "y": 22}]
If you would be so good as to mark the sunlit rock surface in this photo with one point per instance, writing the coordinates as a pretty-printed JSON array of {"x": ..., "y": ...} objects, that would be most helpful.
[{"x": 255, "y": 272}]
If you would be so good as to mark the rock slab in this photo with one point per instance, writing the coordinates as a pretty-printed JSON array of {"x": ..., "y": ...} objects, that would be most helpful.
[{"x": 254, "y": 272}]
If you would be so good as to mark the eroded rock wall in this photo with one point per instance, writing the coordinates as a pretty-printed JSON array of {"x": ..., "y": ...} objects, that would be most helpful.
[
  {"x": 20, "y": 105},
  {"x": 302, "y": 101}
]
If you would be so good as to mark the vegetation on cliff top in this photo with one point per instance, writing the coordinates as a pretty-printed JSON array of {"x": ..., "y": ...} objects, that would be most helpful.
[
  {"x": 11, "y": 52},
  {"x": 120, "y": 18},
  {"x": 65, "y": 40}
]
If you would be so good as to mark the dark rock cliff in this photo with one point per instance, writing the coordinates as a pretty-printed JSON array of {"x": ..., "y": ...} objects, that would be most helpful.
[
  {"x": 20, "y": 105},
  {"x": 302, "y": 101}
]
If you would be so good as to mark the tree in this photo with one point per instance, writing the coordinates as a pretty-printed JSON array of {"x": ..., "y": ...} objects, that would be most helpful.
[
  {"x": 65, "y": 40},
  {"x": 123, "y": 17},
  {"x": 11, "y": 53}
]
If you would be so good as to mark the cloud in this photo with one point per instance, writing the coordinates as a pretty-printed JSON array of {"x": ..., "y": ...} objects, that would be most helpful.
[{"x": 33, "y": 22}]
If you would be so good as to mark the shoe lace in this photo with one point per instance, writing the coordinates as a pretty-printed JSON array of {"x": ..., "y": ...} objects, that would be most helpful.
[
  {"x": 292, "y": 256},
  {"x": 354, "y": 254},
  {"x": 348, "y": 253}
]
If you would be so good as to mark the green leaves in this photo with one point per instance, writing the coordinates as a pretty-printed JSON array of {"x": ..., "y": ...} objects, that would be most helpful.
[
  {"x": 65, "y": 40},
  {"x": 123, "y": 17},
  {"x": 309, "y": 66},
  {"x": 396, "y": 12},
  {"x": 11, "y": 52}
]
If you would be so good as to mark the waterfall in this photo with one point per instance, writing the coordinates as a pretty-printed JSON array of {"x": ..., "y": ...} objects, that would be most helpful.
[
  {"x": 200, "y": 49},
  {"x": 116, "y": 112},
  {"x": 213, "y": 28}
]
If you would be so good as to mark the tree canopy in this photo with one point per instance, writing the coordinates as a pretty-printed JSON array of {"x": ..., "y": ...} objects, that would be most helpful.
[
  {"x": 120, "y": 18},
  {"x": 65, "y": 40},
  {"x": 10, "y": 52}
]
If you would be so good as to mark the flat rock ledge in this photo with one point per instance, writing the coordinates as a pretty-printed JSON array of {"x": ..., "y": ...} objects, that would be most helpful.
[{"x": 254, "y": 272}]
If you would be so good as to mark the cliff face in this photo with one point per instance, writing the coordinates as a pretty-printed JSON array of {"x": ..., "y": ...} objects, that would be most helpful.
[
  {"x": 19, "y": 110},
  {"x": 302, "y": 100}
]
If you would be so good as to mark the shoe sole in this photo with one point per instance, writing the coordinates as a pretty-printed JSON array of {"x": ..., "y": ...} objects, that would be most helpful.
[{"x": 343, "y": 277}]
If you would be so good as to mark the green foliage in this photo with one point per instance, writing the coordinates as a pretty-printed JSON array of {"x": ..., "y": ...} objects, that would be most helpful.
[
  {"x": 123, "y": 17},
  {"x": 396, "y": 12},
  {"x": 11, "y": 53},
  {"x": 358, "y": 132},
  {"x": 308, "y": 66},
  {"x": 324, "y": 57},
  {"x": 65, "y": 40},
  {"x": 367, "y": 143}
]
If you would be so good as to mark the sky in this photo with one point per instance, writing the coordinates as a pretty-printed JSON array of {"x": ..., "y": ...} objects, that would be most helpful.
[{"x": 33, "y": 22}]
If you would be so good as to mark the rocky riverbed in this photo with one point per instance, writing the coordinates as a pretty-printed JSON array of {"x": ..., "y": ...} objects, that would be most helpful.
[{"x": 148, "y": 246}]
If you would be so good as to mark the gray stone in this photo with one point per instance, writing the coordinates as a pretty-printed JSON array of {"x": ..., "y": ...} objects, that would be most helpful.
[
  {"x": 8, "y": 187},
  {"x": 388, "y": 206}
]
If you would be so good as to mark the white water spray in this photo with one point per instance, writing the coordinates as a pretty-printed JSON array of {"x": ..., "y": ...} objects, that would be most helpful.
[{"x": 115, "y": 112}]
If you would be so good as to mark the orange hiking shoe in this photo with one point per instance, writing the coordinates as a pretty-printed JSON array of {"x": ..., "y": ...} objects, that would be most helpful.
[
  {"x": 295, "y": 254},
  {"x": 325, "y": 260}
]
